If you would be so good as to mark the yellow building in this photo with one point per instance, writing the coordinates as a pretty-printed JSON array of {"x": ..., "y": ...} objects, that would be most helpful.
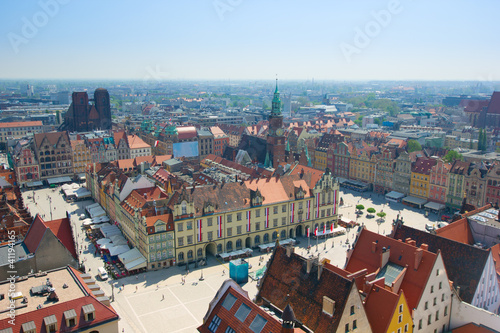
[
  {"x": 420, "y": 177},
  {"x": 387, "y": 312},
  {"x": 320, "y": 158},
  {"x": 236, "y": 216},
  {"x": 81, "y": 156},
  {"x": 362, "y": 166}
]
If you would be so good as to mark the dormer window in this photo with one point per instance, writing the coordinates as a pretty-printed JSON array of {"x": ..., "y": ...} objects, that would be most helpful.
[
  {"x": 89, "y": 312},
  {"x": 29, "y": 327},
  {"x": 184, "y": 208},
  {"x": 50, "y": 323},
  {"x": 70, "y": 317}
]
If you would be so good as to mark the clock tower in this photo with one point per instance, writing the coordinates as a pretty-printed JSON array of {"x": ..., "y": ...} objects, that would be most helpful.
[{"x": 276, "y": 140}]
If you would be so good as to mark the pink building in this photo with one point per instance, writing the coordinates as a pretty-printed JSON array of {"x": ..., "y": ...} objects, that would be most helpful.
[{"x": 438, "y": 185}]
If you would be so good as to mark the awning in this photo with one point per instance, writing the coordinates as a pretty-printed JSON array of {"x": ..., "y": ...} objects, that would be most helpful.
[
  {"x": 394, "y": 195},
  {"x": 58, "y": 180},
  {"x": 34, "y": 184},
  {"x": 103, "y": 241},
  {"x": 81, "y": 176},
  {"x": 118, "y": 249},
  {"x": 415, "y": 200},
  {"x": 434, "y": 205},
  {"x": 130, "y": 256},
  {"x": 136, "y": 264}
]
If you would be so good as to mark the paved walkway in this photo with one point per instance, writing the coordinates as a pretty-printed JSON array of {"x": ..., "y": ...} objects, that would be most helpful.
[{"x": 158, "y": 301}]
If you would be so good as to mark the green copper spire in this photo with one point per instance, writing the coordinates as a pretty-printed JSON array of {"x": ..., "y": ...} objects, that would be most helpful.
[{"x": 276, "y": 104}]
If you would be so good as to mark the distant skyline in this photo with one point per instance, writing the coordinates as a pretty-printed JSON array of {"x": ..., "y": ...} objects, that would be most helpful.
[{"x": 250, "y": 40}]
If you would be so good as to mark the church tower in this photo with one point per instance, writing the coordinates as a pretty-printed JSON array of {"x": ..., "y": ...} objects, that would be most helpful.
[{"x": 276, "y": 135}]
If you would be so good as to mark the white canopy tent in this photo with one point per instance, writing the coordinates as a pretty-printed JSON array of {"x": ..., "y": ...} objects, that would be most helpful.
[
  {"x": 118, "y": 249},
  {"x": 103, "y": 241},
  {"x": 394, "y": 196},
  {"x": 434, "y": 206},
  {"x": 132, "y": 259}
]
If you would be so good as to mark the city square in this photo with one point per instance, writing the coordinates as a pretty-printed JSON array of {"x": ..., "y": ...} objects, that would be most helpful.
[{"x": 145, "y": 302}]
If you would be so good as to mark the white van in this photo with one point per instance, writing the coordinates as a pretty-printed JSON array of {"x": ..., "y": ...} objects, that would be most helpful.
[{"x": 102, "y": 273}]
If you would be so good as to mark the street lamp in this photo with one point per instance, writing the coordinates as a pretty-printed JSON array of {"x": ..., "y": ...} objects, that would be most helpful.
[{"x": 50, "y": 206}]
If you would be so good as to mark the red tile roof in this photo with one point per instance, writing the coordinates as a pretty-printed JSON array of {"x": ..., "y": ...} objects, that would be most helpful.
[
  {"x": 21, "y": 124},
  {"x": 186, "y": 132},
  {"x": 458, "y": 231},
  {"x": 401, "y": 254},
  {"x": 380, "y": 316},
  {"x": 423, "y": 165},
  {"x": 228, "y": 318},
  {"x": 473, "y": 328},
  {"x": 136, "y": 142},
  {"x": 102, "y": 312},
  {"x": 474, "y": 105},
  {"x": 464, "y": 264},
  {"x": 287, "y": 281},
  {"x": 495, "y": 253},
  {"x": 60, "y": 228}
]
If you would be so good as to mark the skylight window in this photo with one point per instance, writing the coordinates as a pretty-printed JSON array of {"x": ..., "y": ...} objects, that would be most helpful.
[
  {"x": 258, "y": 324},
  {"x": 229, "y": 302},
  {"x": 242, "y": 312}
]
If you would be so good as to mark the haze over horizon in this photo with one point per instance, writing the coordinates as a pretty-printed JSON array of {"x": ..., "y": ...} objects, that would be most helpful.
[{"x": 250, "y": 40}]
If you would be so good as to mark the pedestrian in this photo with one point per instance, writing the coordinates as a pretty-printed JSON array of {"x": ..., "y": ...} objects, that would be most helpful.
[
  {"x": 123, "y": 286},
  {"x": 144, "y": 277},
  {"x": 157, "y": 287},
  {"x": 135, "y": 288},
  {"x": 137, "y": 277},
  {"x": 162, "y": 297},
  {"x": 223, "y": 272}
]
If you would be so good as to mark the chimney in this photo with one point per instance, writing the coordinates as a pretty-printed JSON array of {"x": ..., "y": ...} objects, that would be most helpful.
[
  {"x": 424, "y": 246},
  {"x": 328, "y": 306},
  {"x": 418, "y": 258},
  {"x": 407, "y": 240},
  {"x": 289, "y": 320},
  {"x": 374, "y": 246},
  {"x": 309, "y": 263},
  {"x": 320, "y": 270},
  {"x": 413, "y": 243},
  {"x": 289, "y": 251},
  {"x": 385, "y": 256}
]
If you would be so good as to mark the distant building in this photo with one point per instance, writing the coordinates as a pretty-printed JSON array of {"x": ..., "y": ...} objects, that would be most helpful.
[
  {"x": 53, "y": 152},
  {"x": 17, "y": 130},
  {"x": 84, "y": 116}
]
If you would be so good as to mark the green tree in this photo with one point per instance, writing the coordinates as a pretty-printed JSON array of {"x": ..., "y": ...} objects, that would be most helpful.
[
  {"x": 413, "y": 145},
  {"x": 381, "y": 214},
  {"x": 360, "y": 207},
  {"x": 482, "y": 142},
  {"x": 453, "y": 155},
  {"x": 371, "y": 210}
]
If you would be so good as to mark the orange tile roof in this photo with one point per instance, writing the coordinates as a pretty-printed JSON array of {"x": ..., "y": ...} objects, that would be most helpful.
[
  {"x": 495, "y": 253},
  {"x": 458, "y": 231},
  {"x": 380, "y": 316},
  {"x": 271, "y": 189},
  {"x": 473, "y": 328},
  {"x": 401, "y": 253},
  {"x": 126, "y": 164},
  {"x": 165, "y": 218},
  {"x": 136, "y": 142},
  {"x": 21, "y": 124}
]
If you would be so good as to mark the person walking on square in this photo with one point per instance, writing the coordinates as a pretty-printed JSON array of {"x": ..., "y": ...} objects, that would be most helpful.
[{"x": 162, "y": 297}]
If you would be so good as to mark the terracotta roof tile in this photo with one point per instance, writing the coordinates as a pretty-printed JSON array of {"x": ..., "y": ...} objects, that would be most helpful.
[
  {"x": 380, "y": 316},
  {"x": 21, "y": 124},
  {"x": 458, "y": 231},
  {"x": 286, "y": 281},
  {"x": 62, "y": 230},
  {"x": 135, "y": 142},
  {"x": 464, "y": 263},
  {"x": 473, "y": 328},
  {"x": 401, "y": 254}
]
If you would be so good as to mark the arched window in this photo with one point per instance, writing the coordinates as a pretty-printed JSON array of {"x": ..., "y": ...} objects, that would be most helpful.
[
  {"x": 180, "y": 257},
  {"x": 266, "y": 238},
  {"x": 200, "y": 253},
  {"x": 219, "y": 248},
  {"x": 257, "y": 240},
  {"x": 322, "y": 226},
  {"x": 190, "y": 254},
  {"x": 229, "y": 246},
  {"x": 41, "y": 159},
  {"x": 275, "y": 235},
  {"x": 41, "y": 153},
  {"x": 238, "y": 244},
  {"x": 47, "y": 152},
  {"x": 283, "y": 234}
]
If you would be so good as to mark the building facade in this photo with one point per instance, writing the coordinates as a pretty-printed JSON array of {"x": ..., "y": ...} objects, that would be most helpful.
[
  {"x": 17, "y": 130},
  {"x": 53, "y": 152},
  {"x": 438, "y": 181}
]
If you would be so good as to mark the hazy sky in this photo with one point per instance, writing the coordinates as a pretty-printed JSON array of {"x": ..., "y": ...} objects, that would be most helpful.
[{"x": 250, "y": 39}]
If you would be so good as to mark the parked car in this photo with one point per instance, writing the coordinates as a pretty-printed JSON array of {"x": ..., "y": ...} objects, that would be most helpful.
[
  {"x": 370, "y": 216},
  {"x": 445, "y": 218}
]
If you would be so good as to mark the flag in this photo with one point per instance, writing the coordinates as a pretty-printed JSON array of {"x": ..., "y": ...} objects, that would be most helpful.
[
  {"x": 199, "y": 230},
  {"x": 266, "y": 212},
  {"x": 219, "y": 225},
  {"x": 308, "y": 209},
  {"x": 331, "y": 227},
  {"x": 334, "y": 202},
  {"x": 316, "y": 231},
  {"x": 317, "y": 206},
  {"x": 156, "y": 143},
  {"x": 324, "y": 229},
  {"x": 308, "y": 231},
  {"x": 292, "y": 211},
  {"x": 249, "y": 215}
]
